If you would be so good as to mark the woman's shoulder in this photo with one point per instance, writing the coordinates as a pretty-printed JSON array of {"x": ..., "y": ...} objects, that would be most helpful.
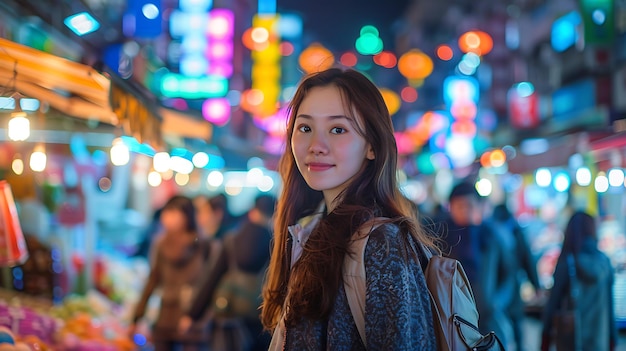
[
  {"x": 388, "y": 237},
  {"x": 386, "y": 231}
]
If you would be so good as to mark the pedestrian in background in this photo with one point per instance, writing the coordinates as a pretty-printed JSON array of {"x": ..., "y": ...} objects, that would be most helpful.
[
  {"x": 523, "y": 262},
  {"x": 213, "y": 217},
  {"x": 595, "y": 276},
  {"x": 473, "y": 242},
  {"x": 230, "y": 290},
  {"x": 176, "y": 263}
]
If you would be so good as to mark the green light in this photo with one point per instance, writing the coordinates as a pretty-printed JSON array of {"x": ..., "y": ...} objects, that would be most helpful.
[
  {"x": 369, "y": 44},
  {"x": 177, "y": 85},
  {"x": 369, "y": 30},
  {"x": 598, "y": 21}
]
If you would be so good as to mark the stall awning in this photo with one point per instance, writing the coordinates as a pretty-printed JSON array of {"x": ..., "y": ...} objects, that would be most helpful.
[
  {"x": 81, "y": 91},
  {"x": 73, "y": 88}
]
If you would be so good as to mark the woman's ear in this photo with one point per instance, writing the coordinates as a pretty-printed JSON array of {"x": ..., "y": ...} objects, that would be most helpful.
[{"x": 370, "y": 153}]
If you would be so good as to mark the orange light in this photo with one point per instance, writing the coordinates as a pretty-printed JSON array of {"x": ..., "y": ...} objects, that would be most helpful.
[
  {"x": 444, "y": 52},
  {"x": 485, "y": 159},
  {"x": 251, "y": 100},
  {"x": 386, "y": 59},
  {"x": 246, "y": 39},
  {"x": 348, "y": 59},
  {"x": 415, "y": 65},
  {"x": 391, "y": 100},
  {"x": 286, "y": 48},
  {"x": 419, "y": 134},
  {"x": 477, "y": 42},
  {"x": 497, "y": 158},
  {"x": 316, "y": 58},
  {"x": 408, "y": 94},
  {"x": 486, "y": 43}
]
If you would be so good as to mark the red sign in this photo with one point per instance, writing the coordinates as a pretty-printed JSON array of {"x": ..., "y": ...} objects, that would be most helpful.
[{"x": 523, "y": 110}]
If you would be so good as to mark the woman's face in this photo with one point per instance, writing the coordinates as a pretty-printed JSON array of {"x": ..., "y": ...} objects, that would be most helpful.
[
  {"x": 173, "y": 221},
  {"x": 328, "y": 150}
]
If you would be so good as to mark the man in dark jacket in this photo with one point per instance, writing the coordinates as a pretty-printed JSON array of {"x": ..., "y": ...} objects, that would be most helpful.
[
  {"x": 244, "y": 253},
  {"x": 522, "y": 262},
  {"x": 473, "y": 243}
]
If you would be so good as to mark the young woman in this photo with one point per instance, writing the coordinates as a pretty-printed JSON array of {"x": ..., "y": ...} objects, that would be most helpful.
[
  {"x": 580, "y": 256},
  {"x": 339, "y": 171},
  {"x": 177, "y": 258}
]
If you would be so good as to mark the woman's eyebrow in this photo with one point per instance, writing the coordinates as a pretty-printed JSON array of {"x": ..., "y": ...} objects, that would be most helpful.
[{"x": 332, "y": 117}]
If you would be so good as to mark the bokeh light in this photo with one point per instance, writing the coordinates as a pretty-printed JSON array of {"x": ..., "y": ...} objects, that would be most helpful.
[
  {"x": 408, "y": 94},
  {"x": 414, "y": 64},
  {"x": 477, "y": 42},
  {"x": 286, "y": 48},
  {"x": 316, "y": 58},
  {"x": 348, "y": 59},
  {"x": 386, "y": 59},
  {"x": 392, "y": 100},
  {"x": 444, "y": 52},
  {"x": 543, "y": 177},
  {"x": 583, "y": 176}
]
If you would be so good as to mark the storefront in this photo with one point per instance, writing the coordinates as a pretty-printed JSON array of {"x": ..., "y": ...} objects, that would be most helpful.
[{"x": 80, "y": 197}]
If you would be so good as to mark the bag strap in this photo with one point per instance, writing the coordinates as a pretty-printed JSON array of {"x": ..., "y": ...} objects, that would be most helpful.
[
  {"x": 573, "y": 279},
  {"x": 354, "y": 280}
]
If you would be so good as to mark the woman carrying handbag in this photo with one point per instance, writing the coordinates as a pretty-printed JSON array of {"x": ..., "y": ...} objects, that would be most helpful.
[{"x": 579, "y": 313}]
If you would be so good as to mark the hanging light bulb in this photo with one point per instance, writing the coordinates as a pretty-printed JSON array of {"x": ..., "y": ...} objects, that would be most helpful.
[
  {"x": 120, "y": 155},
  {"x": 19, "y": 125},
  {"x": 17, "y": 165},
  {"x": 38, "y": 158}
]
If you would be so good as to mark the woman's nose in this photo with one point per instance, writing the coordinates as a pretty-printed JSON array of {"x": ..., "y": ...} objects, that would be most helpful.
[{"x": 318, "y": 144}]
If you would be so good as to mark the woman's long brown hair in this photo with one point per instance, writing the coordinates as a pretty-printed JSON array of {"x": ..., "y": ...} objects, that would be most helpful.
[{"x": 374, "y": 192}]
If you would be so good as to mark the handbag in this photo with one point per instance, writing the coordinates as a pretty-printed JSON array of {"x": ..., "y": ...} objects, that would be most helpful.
[
  {"x": 565, "y": 322},
  {"x": 238, "y": 293},
  {"x": 455, "y": 316}
]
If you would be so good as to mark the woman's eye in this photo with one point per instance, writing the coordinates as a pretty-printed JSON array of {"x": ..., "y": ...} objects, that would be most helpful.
[
  {"x": 304, "y": 128},
  {"x": 338, "y": 130}
]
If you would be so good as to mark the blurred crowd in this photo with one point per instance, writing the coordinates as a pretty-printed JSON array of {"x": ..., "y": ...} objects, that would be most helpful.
[
  {"x": 495, "y": 253},
  {"x": 209, "y": 265}
]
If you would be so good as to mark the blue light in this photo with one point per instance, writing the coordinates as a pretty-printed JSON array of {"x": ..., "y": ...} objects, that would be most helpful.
[
  {"x": 143, "y": 19},
  {"x": 598, "y": 16},
  {"x": 150, "y": 11},
  {"x": 57, "y": 267},
  {"x": 181, "y": 152},
  {"x": 267, "y": 7},
  {"x": 8, "y": 103},
  {"x": 290, "y": 26},
  {"x": 524, "y": 89},
  {"x": 18, "y": 274},
  {"x": 81, "y": 23},
  {"x": 55, "y": 254},
  {"x": 195, "y": 5},
  {"x": 215, "y": 162},
  {"x": 564, "y": 33},
  {"x": 460, "y": 88},
  {"x": 194, "y": 65},
  {"x": 139, "y": 339},
  {"x": 561, "y": 182}
]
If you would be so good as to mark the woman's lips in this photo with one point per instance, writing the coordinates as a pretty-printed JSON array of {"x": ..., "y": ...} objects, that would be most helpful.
[{"x": 319, "y": 167}]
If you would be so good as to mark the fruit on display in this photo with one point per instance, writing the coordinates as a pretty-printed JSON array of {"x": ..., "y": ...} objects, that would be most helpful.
[{"x": 89, "y": 323}]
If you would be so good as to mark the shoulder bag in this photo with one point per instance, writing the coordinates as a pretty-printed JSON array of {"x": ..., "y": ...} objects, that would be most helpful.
[{"x": 455, "y": 317}]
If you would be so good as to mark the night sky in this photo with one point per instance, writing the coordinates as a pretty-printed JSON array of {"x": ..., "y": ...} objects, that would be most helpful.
[{"x": 336, "y": 23}]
